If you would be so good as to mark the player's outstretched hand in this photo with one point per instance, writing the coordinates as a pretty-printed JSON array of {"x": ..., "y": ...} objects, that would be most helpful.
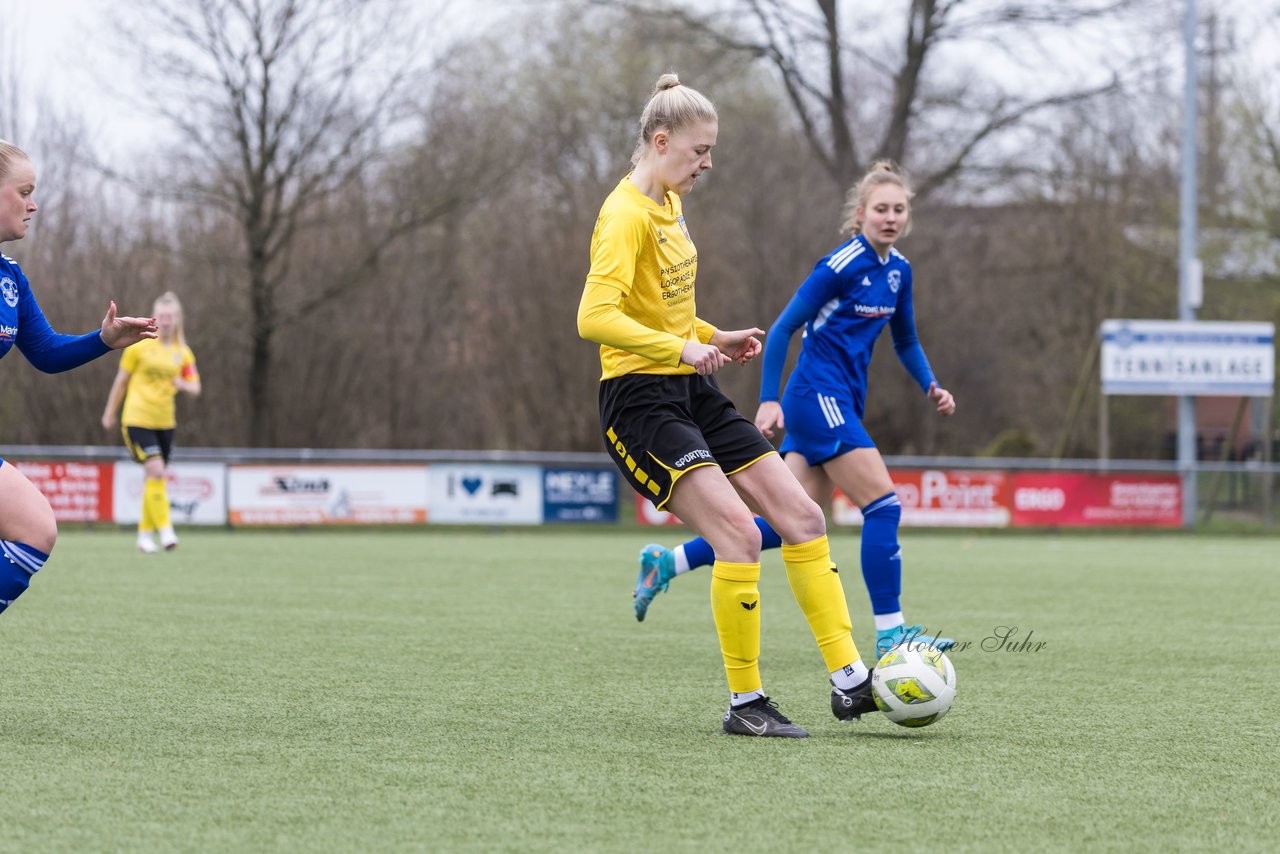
[
  {"x": 769, "y": 418},
  {"x": 946, "y": 403},
  {"x": 705, "y": 358},
  {"x": 119, "y": 332},
  {"x": 740, "y": 345}
]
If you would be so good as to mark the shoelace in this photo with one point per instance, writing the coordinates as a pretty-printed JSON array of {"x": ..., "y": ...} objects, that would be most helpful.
[{"x": 770, "y": 708}]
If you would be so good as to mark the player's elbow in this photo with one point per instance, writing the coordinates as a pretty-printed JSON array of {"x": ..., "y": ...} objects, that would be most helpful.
[
  {"x": 590, "y": 326},
  {"x": 780, "y": 331},
  {"x": 49, "y": 366}
]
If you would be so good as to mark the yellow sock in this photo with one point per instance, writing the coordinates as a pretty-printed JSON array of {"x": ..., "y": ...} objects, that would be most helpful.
[
  {"x": 145, "y": 524},
  {"x": 155, "y": 497},
  {"x": 817, "y": 588},
  {"x": 735, "y": 604}
]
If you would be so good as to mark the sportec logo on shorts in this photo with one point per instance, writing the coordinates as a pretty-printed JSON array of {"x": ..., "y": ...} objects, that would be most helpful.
[{"x": 698, "y": 454}]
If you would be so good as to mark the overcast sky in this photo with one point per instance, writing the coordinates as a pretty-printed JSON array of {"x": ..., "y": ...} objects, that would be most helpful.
[
  {"x": 65, "y": 62},
  {"x": 61, "y": 62},
  {"x": 63, "y": 57}
]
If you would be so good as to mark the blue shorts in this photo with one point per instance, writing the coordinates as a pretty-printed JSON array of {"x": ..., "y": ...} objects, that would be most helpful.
[{"x": 820, "y": 425}]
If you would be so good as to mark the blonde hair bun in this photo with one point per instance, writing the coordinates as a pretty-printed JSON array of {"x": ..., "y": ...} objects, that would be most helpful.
[
  {"x": 882, "y": 172},
  {"x": 672, "y": 107}
]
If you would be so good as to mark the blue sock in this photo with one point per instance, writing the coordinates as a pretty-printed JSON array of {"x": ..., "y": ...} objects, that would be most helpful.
[
  {"x": 699, "y": 552},
  {"x": 769, "y": 538},
  {"x": 18, "y": 562},
  {"x": 881, "y": 556}
]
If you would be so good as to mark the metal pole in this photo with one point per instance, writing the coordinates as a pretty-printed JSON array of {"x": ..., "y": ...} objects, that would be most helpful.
[
  {"x": 1104, "y": 427},
  {"x": 1267, "y": 517},
  {"x": 1187, "y": 265}
]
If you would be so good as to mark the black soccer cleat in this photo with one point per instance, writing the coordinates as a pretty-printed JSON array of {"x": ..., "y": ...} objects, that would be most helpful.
[
  {"x": 853, "y": 704},
  {"x": 761, "y": 717}
]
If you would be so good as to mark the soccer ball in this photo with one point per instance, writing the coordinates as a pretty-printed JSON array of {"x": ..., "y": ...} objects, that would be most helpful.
[{"x": 913, "y": 684}]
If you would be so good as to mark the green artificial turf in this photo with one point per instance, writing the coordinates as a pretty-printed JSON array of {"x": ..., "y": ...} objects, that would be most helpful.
[{"x": 442, "y": 690}]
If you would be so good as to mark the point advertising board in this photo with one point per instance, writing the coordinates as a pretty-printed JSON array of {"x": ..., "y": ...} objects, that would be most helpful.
[
  {"x": 941, "y": 498},
  {"x": 932, "y": 498}
]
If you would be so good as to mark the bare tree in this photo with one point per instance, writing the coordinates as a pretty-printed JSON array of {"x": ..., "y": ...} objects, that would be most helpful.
[
  {"x": 279, "y": 106},
  {"x": 1250, "y": 269},
  {"x": 12, "y": 104},
  {"x": 71, "y": 286},
  {"x": 931, "y": 87}
]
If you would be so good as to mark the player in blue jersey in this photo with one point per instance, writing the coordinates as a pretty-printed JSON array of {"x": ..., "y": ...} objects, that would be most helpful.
[
  {"x": 843, "y": 306},
  {"x": 27, "y": 526}
]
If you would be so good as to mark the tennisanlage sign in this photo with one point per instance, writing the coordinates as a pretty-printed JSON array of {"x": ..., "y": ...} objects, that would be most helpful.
[{"x": 1194, "y": 358}]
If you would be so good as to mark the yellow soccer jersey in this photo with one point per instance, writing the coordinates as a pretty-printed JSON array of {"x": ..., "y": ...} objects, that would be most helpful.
[
  {"x": 644, "y": 263},
  {"x": 152, "y": 368}
]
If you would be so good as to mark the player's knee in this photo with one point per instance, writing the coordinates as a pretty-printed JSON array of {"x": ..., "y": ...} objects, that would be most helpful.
[
  {"x": 42, "y": 530},
  {"x": 887, "y": 508},
  {"x": 802, "y": 521},
  {"x": 805, "y": 522},
  {"x": 740, "y": 537},
  {"x": 746, "y": 532}
]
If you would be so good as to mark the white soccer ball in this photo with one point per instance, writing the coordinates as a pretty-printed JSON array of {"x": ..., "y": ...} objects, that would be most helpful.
[{"x": 913, "y": 684}]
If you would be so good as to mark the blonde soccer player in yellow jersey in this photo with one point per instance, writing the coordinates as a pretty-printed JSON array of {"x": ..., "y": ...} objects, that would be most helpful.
[
  {"x": 677, "y": 439},
  {"x": 149, "y": 379}
]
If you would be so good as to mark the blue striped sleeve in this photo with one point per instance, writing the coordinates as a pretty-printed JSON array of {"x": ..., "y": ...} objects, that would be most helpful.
[
  {"x": 814, "y": 293},
  {"x": 50, "y": 351},
  {"x": 907, "y": 344}
]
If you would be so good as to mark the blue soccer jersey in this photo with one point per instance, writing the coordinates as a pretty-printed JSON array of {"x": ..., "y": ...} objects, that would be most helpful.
[
  {"x": 23, "y": 323},
  {"x": 843, "y": 306}
]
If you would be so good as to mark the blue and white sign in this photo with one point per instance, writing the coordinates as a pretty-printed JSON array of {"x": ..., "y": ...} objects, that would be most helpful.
[
  {"x": 580, "y": 495},
  {"x": 485, "y": 494},
  {"x": 1196, "y": 358}
]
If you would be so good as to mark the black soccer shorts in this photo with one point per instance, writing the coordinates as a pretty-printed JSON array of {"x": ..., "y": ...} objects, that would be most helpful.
[
  {"x": 659, "y": 426},
  {"x": 143, "y": 442}
]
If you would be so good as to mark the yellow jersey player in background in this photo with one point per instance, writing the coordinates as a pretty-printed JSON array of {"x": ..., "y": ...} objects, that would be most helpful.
[{"x": 149, "y": 379}]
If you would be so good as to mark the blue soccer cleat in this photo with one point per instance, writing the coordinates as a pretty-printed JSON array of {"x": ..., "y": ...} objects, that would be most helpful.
[
  {"x": 887, "y": 639},
  {"x": 657, "y": 568}
]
